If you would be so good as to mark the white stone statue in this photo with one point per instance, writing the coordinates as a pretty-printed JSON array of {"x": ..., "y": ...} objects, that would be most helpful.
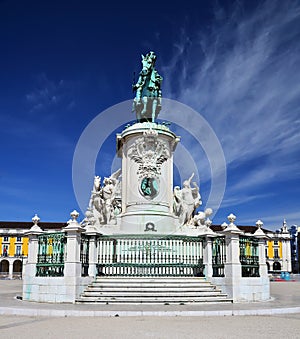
[
  {"x": 186, "y": 200},
  {"x": 202, "y": 218},
  {"x": 97, "y": 183},
  {"x": 108, "y": 194},
  {"x": 103, "y": 203}
]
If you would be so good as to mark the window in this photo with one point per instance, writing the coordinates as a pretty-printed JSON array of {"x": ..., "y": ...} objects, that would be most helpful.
[
  {"x": 18, "y": 250},
  {"x": 275, "y": 242},
  {"x": 19, "y": 239},
  {"x": 266, "y": 253},
  {"x": 5, "y": 238},
  {"x": 5, "y": 250},
  {"x": 276, "y": 253}
]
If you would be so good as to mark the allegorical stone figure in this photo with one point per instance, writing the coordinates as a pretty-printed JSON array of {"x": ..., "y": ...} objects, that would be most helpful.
[
  {"x": 147, "y": 102},
  {"x": 186, "y": 200},
  {"x": 103, "y": 203}
]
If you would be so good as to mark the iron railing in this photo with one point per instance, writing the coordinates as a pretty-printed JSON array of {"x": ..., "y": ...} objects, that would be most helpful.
[
  {"x": 150, "y": 256},
  {"x": 249, "y": 258},
  {"x": 50, "y": 261},
  {"x": 218, "y": 256},
  {"x": 84, "y": 254}
]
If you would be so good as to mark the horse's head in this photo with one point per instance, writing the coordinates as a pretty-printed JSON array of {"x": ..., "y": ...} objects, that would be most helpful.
[{"x": 148, "y": 62}]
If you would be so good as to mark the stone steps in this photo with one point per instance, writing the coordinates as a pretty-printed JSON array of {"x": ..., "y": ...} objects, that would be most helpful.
[{"x": 137, "y": 290}]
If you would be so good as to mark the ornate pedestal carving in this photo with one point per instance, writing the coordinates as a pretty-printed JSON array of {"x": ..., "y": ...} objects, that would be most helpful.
[{"x": 147, "y": 178}]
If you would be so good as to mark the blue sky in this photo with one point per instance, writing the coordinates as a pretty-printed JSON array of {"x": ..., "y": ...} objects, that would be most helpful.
[{"x": 235, "y": 62}]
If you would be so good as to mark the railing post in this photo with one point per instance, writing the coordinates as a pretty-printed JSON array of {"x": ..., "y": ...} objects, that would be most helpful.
[
  {"x": 263, "y": 269},
  {"x": 73, "y": 233},
  {"x": 207, "y": 256},
  {"x": 92, "y": 233},
  {"x": 33, "y": 247},
  {"x": 232, "y": 266}
]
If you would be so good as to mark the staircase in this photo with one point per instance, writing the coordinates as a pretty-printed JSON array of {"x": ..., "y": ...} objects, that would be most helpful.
[{"x": 138, "y": 290}]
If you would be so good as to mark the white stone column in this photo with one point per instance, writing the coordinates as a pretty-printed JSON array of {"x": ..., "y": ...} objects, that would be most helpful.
[
  {"x": 73, "y": 233},
  {"x": 207, "y": 257},
  {"x": 10, "y": 268},
  {"x": 91, "y": 231},
  {"x": 288, "y": 255},
  {"x": 33, "y": 247},
  {"x": 29, "y": 269},
  {"x": 286, "y": 248},
  {"x": 263, "y": 268},
  {"x": 232, "y": 267}
]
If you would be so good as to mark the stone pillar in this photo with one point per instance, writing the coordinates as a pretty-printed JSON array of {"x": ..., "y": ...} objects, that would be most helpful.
[
  {"x": 73, "y": 233},
  {"x": 286, "y": 248},
  {"x": 288, "y": 255},
  {"x": 263, "y": 268},
  {"x": 33, "y": 247},
  {"x": 91, "y": 231},
  {"x": 147, "y": 151},
  {"x": 10, "y": 269},
  {"x": 207, "y": 257},
  {"x": 232, "y": 267}
]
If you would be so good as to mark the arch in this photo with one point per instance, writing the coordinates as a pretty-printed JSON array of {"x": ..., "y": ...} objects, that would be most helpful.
[
  {"x": 17, "y": 266},
  {"x": 276, "y": 266},
  {"x": 4, "y": 268}
]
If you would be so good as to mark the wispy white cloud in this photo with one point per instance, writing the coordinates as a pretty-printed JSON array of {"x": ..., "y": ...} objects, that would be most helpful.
[
  {"x": 242, "y": 74},
  {"x": 242, "y": 199},
  {"x": 275, "y": 221},
  {"x": 48, "y": 94}
]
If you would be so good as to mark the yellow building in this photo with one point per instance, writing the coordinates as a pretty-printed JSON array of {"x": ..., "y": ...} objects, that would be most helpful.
[
  {"x": 14, "y": 245},
  {"x": 278, "y": 250}
]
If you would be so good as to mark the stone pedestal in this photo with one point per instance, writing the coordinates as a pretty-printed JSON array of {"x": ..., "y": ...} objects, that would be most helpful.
[
  {"x": 92, "y": 233},
  {"x": 33, "y": 247},
  {"x": 72, "y": 262},
  {"x": 232, "y": 267},
  {"x": 30, "y": 267},
  {"x": 147, "y": 179}
]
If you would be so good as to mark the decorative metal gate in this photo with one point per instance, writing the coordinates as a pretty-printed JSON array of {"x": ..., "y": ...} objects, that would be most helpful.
[
  {"x": 51, "y": 255},
  {"x": 249, "y": 256},
  {"x": 84, "y": 254},
  {"x": 218, "y": 256},
  {"x": 150, "y": 256}
]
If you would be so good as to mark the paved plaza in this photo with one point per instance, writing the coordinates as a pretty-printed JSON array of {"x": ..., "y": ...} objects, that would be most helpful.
[{"x": 277, "y": 318}]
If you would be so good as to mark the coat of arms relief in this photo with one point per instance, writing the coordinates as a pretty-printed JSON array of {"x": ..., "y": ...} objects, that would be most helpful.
[{"x": 150, "y": 153}]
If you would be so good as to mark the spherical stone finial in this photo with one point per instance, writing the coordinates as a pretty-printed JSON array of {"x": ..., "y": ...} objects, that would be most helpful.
[
  {"x": 231, "y": 218},
  {"x": 35, "y": 219},
  {"x": 224, "y": 225},
  {"x": 259, "y": 224},
  {"x": 74, "y": 215}
]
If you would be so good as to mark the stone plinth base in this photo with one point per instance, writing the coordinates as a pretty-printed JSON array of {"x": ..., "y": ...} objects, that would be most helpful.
[
  {"x": 244, "y": 289},
  {"x": 54, "y": 289},
  {"x": 148, "y": 222}
]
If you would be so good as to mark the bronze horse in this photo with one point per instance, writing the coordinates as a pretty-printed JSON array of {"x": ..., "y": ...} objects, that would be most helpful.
[{"x": 147, "y": 102}]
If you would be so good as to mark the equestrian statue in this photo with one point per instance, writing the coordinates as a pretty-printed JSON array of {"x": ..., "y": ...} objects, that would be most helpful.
[{"x": 147, "y": 102}]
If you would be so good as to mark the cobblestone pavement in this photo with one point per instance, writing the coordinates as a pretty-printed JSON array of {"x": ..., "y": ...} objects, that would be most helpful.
[{"x": 284, "y": 324}]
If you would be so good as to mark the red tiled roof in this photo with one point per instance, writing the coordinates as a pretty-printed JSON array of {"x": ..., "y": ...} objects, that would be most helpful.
[
  {"x": 246, "y": 229},
  {"x": 27, "y": 225}
]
